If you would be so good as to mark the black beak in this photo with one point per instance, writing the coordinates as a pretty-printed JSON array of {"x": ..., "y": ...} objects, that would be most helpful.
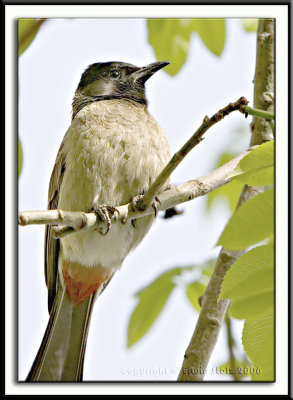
[{"x": 144, "y": 73}]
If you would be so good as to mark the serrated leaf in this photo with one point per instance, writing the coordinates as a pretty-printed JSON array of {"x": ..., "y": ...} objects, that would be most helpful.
[
  {"x": 250, "y": 283},
  {"x": 251, "y": 223},
  {"x": 249, "y": 25},
  {"x": 254, "y": 305},
  {"x": 170, "y": 40},
  {"x": 258, "y": 343},
  {"x": 257, "y": 167},
  {"x": 212, "y": 32},
  {"x": 229, "y": 192},
  {"x": 27, "y": 31},
  {"x": 193, "y": 292},
  {"x": 261, "y": 156},
  {"x": 19, "y": 157},
  {"x": 152, "y": 300}
]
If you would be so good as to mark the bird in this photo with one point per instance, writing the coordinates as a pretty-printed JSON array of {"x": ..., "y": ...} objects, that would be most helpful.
[{"x": 113, "y": 150}]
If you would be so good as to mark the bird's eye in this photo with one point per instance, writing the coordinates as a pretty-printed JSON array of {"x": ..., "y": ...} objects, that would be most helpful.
[{"x": 114, "y": 74}]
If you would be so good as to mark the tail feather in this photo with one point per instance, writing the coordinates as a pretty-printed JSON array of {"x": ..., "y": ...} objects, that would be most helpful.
[{"x": 61, "y": 354}]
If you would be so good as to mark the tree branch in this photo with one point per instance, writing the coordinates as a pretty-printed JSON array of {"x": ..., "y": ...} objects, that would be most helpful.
[
  {"x": 213, "y": 310},
  {"x": 73, "y": 221}
]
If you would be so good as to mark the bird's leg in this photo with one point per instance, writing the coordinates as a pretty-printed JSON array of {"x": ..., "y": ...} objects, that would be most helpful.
[{"x": 104, "y": 212}]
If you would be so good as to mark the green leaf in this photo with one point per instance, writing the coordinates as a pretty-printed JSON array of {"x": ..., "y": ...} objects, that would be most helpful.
[
  {"x": 193, "y": 292},
  {"x": 19, "y": 157},
  {"x": 251, "y": 223},
  {"x": 258, "y": 343},
  {"x": 250, "y": 286},
  {"x": 170, "y": 39},
  {"x": 257, "y": 167},
  {"x": 249, "y": 25},
  {"x": 212, "y": 32},
  {"x": 197, "y": 288},
  {"x": 27, "y": 31},
  {"x": 250, "y": 283},
  {"x": 229, "y": 192},
  {"x": 152, "y": 300}
]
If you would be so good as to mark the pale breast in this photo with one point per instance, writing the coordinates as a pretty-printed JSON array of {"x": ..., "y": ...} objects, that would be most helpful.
[{"x": 115, "y": 150}]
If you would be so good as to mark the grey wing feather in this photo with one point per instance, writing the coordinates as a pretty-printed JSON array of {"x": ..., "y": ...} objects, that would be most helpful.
[{"x": 52, "y": 245}]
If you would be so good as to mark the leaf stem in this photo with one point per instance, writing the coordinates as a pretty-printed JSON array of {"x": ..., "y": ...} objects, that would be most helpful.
[{"x": 259, "y": 113}]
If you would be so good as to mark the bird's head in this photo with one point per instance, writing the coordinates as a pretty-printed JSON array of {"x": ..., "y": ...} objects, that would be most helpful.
[{"x": 113, "y": 80}]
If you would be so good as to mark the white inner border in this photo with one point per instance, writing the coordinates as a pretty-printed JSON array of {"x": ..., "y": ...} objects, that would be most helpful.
[{"x": 280, "y": 13}]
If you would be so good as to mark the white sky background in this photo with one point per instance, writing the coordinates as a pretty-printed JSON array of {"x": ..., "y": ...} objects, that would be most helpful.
[{"x": 49, "y": 72}]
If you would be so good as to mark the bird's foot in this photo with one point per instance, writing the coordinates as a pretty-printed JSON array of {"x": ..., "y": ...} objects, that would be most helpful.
[
  {"x": 104, "y": 212},
  {"x": 138, "y": 205}
]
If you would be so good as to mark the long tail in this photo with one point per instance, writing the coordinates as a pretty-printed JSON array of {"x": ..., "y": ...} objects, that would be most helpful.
[{"x": 61, "y": 354}]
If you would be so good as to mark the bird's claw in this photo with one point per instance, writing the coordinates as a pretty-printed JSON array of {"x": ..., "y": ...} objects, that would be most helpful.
[
  {"x": 104, "y": 212},
  {"x": 154, "y": 204},
  {"x": 138, "y": 205}
]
